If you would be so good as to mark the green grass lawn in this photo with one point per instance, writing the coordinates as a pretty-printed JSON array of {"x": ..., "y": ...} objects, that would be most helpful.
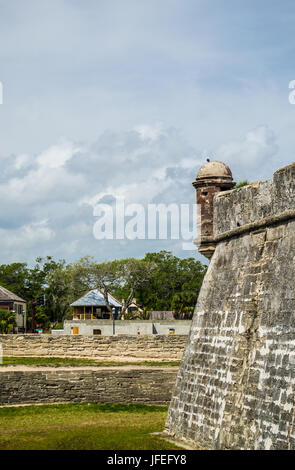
[
  {"x": 83, "y": 427},
  {"x": 73, "y": 362}
]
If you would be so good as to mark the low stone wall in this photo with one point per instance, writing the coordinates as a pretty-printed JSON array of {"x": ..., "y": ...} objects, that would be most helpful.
[
  {"x": 105, "y": 348},
  {"x": 149, "y": 386}
]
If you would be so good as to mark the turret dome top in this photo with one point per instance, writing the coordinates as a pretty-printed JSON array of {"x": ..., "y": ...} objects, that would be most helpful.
[
  {"x": 214, "y": 169},
  {"x": 214, "y": 173}
]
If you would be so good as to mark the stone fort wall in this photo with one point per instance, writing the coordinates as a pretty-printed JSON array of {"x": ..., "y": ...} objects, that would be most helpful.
[
  {"x": 151, "y": 386},
  {"x": 104, "y": 348},
  {"x": 236, "y": 385}
]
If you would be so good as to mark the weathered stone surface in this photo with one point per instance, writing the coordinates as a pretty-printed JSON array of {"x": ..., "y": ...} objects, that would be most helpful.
[
  {"x": 121, "y": 348},
  {"x": 245, "y": 205},
  {"x": 147, "y": 386},
  {"x": 236, "y": 384}
]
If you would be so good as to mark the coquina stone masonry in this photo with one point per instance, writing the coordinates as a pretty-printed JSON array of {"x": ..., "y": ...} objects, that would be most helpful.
[
  {"x": 236, "y": 385},
  {"x": 104, "y": 348},
  {"x": 151, "y": 386}
]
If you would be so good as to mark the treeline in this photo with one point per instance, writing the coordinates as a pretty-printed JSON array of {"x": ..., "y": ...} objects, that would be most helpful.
[{"x": 159, "y": 281}]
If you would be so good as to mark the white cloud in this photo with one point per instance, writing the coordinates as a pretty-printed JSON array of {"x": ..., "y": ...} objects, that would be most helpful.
[
  {"x": 255, "y": 151},
  {"x": 18, "y": 243},
  {"x": 153, "y": 132},
  {"x": 146, "y": 84},
  {"x": 47, "y": 200},
  {"x": 57, "y": 155},
  {"x": 48, "y": 203},
  {"x": 21, "y": 161}
]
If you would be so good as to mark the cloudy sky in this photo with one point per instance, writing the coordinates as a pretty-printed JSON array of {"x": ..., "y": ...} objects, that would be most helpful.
[{"x": 107, "y": 98}]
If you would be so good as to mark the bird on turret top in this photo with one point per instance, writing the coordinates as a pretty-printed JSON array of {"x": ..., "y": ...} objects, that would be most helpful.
[{"x": 208, "y": 159}]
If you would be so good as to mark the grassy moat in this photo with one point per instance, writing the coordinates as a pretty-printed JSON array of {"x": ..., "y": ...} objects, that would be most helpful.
[{"x": 83, "y": 427}]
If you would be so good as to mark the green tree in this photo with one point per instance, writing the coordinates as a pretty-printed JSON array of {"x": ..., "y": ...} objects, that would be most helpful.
[
  {"x": 15, "y": 277},
  {"x": 134, "y": 274},
  {"x": 159, "y": 281},
  {"x": 41, "y": 319},
  {"x": 41, "y": 281},
  {"x": 59, "y": 294},
  {"x": 174, "y": 284},
  {"x": 7, "y": 321},
  {"x": 107, "y": 279},
  {"x": 88, "y": 274}
]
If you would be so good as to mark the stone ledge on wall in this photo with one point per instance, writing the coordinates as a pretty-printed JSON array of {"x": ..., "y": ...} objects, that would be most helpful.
[{"x": 131, "y": 348}]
